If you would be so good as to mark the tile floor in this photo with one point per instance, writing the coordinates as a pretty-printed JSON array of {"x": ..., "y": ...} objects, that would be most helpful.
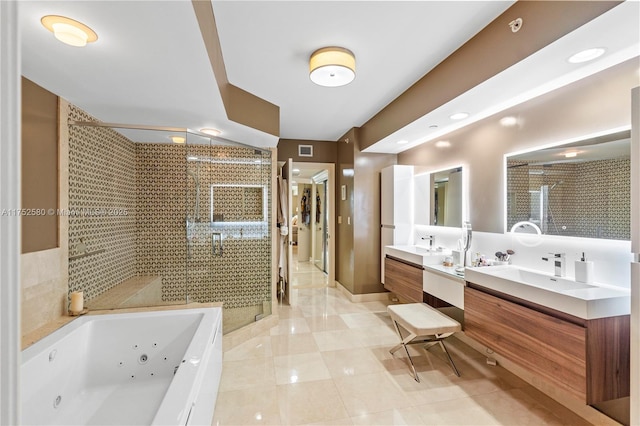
[{"x": 327, "y": 362}]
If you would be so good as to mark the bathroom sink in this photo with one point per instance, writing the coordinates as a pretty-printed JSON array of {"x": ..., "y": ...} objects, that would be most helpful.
[
  {"x": 540, "y": 279},
  {"x": 418, "y": 254},
  {"x": 587, "y": 301}
]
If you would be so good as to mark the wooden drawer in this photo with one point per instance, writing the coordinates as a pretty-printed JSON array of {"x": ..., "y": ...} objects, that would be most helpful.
[
  {"x": 548, "y": 346},
  {"x": 404, "y": 279}
]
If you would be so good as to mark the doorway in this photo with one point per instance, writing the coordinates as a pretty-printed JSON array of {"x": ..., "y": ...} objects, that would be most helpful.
[{"x": 313, "y": 211}]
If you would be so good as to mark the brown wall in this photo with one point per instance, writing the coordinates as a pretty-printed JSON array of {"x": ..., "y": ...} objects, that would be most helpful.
[
  {"x": 594, "y": 104},
  {"x": 323, "y": 151},
  {"x": 39, "y": 167},
  {"x": 344, "y": 209},
  {"x": 358, "y": 243},
  {"x": 367, "y": 219}
]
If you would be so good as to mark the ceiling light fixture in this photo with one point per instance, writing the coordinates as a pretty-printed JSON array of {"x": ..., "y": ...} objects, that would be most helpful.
[
  {"x": 332, "y": 66},
  {"x": 178, "y": 139},
  {"x": 570, "y": 154},
  {"x": 459, "y": 116},
  {"x": 210, "y": 131},
  {"x": 443, "y": 144},
  {"x": 586, "y": 55},
  {"x": 69, "y": 31}
]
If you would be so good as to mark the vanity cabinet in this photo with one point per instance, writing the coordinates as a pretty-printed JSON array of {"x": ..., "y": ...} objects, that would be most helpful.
[
  {"x": 403, "y": 278},
  {"x": 442, "y": 290},
  {"x": 587, "y": 358}
]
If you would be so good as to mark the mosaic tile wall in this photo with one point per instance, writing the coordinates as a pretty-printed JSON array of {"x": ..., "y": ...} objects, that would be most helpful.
[
  {"x": 241, "y": 276},
  {"x": 591, "y": 199},
  {"x": 149, "y": 182},
  {"x": 102, "y": 191}
]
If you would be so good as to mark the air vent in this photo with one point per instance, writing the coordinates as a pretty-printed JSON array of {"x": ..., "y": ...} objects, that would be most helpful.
[{"x": 305, "y": 150}]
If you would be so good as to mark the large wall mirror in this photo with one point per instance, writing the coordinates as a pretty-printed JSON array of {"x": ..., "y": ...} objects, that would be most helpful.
[
  {"x": 579, "y": 189},
  {"x": 447, "y": 197}
]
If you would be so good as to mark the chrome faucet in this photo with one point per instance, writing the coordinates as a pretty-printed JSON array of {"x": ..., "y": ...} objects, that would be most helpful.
[
  {"x": 432, "y": 240},
  {"x": 558, "y": 263}
]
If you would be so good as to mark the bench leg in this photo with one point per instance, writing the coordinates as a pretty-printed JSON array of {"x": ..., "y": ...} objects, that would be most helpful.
[
  {"x": 444, "y": 348},
  {"x": 403, "y": 344}
]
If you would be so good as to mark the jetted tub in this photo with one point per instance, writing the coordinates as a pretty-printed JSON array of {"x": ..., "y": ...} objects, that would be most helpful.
[{"x": 157, "y": 368}]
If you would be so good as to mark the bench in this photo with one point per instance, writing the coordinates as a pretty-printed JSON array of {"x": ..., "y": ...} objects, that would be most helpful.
[{"x": 423, "y": 324}]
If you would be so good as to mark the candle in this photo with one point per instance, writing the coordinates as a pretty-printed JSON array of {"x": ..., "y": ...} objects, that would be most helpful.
[{"x": 77, "y": 302}]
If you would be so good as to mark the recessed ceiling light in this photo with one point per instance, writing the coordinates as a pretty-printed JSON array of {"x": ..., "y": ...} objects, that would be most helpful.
[
  {"x": 402, "y": 142},
  {"x": 332, "y": 66},
  {"x": 178, "y": 139},
  {"x": 570, "y": 154},
  {"x": 210, "y": 131},
  {"x": 586, "y": 55},
  {"x": 459, "y": 115},
  {"x": 508, "y": 121},
  {"x": 443, "y": 144},
  {"x": 433, "y": 126},
  {"x": 69, "y": 31}
]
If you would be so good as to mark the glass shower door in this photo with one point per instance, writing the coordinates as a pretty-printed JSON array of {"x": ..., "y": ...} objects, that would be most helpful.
[{"x": 228, "y": 228}]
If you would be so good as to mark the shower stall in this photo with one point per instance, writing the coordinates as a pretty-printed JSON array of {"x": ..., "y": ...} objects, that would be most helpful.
[{"x": 162, "y": 216}]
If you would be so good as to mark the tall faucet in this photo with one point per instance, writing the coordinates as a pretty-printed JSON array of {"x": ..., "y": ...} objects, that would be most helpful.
[
  {"x": 558, "y": 263},
  {"x": 432, "y": 240}
]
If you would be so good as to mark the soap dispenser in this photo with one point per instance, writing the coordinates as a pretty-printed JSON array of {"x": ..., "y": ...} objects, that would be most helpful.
[{"x": 584, "y": 270}]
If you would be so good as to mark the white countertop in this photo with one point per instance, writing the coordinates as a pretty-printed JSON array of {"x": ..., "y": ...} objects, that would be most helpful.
[
  {"x": 591, "y": 302},
  {"x": 417, "y": 254}
]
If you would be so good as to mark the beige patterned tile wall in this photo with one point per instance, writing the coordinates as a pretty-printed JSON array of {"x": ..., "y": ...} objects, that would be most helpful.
[
  {"x": 102, "y": 193},
  {"x": 149, "y": 182},
  {"x": 241, "y": 276}
]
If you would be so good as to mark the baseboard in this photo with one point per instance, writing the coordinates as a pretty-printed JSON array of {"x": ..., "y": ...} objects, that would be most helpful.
[{"x": 359, "y": 298}]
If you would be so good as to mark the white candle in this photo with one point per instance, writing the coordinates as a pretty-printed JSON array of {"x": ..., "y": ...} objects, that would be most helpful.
[{"x": 77, "y": 302}]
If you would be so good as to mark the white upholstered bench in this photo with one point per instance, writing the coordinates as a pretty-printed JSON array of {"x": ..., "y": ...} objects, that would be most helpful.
[{"x": 423, "y": 324}]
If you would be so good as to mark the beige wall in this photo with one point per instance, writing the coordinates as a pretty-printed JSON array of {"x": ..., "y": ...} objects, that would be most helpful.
[
  {"x": 594, "y": 104},
  {"x": 39, "y": 167},
  {"x": 45, "y": 274}
]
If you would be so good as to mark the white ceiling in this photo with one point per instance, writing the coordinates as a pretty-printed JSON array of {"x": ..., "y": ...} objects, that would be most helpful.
[{"x": 149, "y": 65}]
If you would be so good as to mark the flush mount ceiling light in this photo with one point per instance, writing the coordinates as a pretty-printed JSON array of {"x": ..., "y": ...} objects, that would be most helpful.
[
  {"x": 69, "y": 31},
  {"x": 508, "y": 121},
  {"x": 443, "y": 144},
  {"x": 586, "y": 55},
  {"x": 459, "y": 116},
  {"x": 210, "y": 131},
  {"x": 178, "y": 139},
  {"x": 570, "y": 154},
  {"x": 332, "y": 66}
]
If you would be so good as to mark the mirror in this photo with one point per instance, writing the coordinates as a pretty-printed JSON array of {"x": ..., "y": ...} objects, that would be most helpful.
[
  {"x": 579, "y": 189},
  {"x": 238, "y": 203},
  {"x": 447, "y": 197}
]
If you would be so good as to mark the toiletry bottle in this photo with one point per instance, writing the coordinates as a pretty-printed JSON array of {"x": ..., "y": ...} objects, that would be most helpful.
[{"x": 584, "y": 270}]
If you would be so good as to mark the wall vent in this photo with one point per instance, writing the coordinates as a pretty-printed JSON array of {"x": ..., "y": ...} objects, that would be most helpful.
[{"x": 305, "y": 150}]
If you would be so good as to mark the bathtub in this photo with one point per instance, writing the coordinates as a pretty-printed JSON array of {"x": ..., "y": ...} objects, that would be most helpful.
[{"x": 160, "y": 368}]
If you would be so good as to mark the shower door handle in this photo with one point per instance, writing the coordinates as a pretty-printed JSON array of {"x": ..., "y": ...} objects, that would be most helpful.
[{"x": 216, "y": 244}]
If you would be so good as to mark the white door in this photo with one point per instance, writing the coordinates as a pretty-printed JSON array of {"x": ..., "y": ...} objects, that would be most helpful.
[
  {"x": 635, "y": 264},
  {"x": 290, "y": 294}
]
